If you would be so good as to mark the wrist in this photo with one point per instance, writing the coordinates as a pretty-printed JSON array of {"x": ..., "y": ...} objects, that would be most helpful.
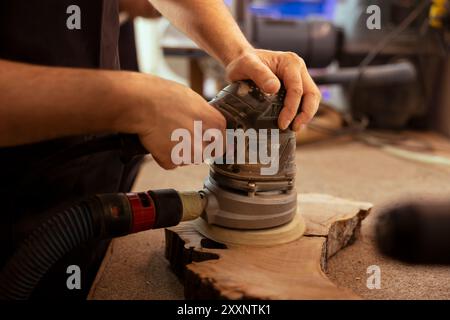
[
  {"x": 132, "y": 102},
  {"x": 234, "y": 53}
]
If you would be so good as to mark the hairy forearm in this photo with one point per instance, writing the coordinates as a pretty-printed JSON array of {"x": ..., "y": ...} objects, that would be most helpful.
[
  {"x": 39, "y": 103},
  {"x": 209, "y": 23}
]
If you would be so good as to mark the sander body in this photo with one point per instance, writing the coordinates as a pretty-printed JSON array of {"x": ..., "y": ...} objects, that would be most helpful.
[{"x": 240, "y": 195}]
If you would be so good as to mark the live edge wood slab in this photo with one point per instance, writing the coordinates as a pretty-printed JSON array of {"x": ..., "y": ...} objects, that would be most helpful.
[{"x": 210, "y": 270}]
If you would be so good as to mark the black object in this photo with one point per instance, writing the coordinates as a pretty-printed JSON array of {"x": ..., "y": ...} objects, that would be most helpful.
[
  {"x": 35, "y": 31},
  {"x": 169, "y": 202},
  {"x": 416, "y": 233},
  {"x": 127, "y": 47},
  {"x": 402, "y": 72}
]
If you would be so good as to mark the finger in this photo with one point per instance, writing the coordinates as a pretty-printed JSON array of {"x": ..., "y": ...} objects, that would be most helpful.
[
  {"x": 311, "y": 101},
  {"x": 309, "y": 108},
  {"x": 251, "y": 67},
  {"x": 166, "y": 164},
  {"x": 292, "y": 79}
]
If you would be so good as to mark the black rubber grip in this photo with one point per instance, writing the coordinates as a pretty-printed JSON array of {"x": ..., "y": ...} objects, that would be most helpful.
[{"x": 169, "y": 208}]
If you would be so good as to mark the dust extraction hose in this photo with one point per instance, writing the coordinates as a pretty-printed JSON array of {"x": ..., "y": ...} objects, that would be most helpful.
[{"x": 101, "y": 217}]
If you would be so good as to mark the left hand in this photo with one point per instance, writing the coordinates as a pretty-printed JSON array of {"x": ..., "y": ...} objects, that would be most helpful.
[{"x": 266, "y": 69}]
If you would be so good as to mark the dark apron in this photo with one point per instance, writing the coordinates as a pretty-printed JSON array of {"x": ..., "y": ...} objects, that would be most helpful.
[{"x": 38, "y": 180}]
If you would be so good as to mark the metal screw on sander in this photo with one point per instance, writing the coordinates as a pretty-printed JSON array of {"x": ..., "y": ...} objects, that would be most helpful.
[{"x": 239, "y": 196}]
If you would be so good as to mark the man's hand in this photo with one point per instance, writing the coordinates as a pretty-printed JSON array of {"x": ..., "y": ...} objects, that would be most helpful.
[
  {"x": 164, "y": 106},
  {"x": 265, "y": 68}
]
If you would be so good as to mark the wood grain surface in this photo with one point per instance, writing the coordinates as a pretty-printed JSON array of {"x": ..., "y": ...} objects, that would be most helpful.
[{"x": 211, "y": 270}]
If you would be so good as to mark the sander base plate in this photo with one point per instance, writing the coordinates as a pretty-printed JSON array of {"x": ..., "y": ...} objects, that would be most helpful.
[{"x": 286, "y": 233}]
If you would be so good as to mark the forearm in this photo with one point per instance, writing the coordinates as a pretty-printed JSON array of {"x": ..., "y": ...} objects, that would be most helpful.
[
  {"x": 39, "y": 103},
  {"x": 138, "y": 8},
  {"x": 209, "y": 23}
]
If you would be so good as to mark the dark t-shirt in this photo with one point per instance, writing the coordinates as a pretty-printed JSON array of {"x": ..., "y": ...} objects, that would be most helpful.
[
  {"x": 36, "y": 31},
  {"x": 69, "y": 33}
]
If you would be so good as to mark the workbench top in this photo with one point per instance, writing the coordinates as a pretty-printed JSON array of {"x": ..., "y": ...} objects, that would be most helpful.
[{"x": 135, "y": 267}]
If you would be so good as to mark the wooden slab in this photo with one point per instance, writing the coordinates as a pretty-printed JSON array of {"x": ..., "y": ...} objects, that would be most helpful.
[{"x": 210, "y": 270}]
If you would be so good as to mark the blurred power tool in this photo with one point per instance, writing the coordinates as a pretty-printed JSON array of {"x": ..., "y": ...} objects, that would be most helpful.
[{"x": 416, "y": 233}]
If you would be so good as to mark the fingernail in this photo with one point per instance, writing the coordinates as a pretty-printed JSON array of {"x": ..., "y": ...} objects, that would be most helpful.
[
  {"x": 270, "y": 85},
  {"x": 285, "y": 124}
]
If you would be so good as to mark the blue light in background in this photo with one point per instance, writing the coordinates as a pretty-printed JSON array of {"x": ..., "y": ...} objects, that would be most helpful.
[{"x": 293, "y": 9}]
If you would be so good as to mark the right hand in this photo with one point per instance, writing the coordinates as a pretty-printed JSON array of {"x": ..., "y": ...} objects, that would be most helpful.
[{"x": 172, "y": 106}]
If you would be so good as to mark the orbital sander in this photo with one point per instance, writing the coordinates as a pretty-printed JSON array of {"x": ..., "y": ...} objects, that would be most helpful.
[{"x": 247, "y": 203}]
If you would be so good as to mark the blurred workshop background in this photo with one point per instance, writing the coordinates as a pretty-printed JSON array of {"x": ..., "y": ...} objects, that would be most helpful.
[{"x": 393, "y": 77}]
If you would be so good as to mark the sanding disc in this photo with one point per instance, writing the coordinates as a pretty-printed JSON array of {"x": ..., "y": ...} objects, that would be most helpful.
[{"x": 264, "y": 237}]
